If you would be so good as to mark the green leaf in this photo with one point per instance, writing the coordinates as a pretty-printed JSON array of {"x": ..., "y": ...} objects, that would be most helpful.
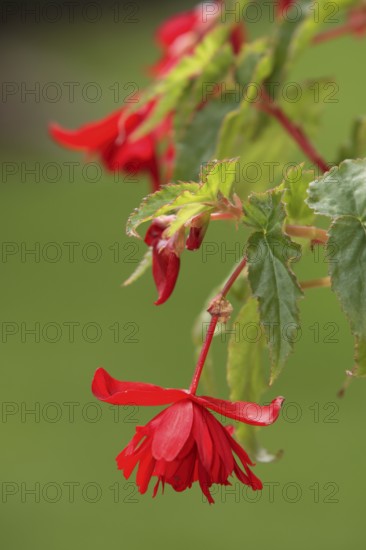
[
  {"x": 245, "y": 373},
  {"x": 155, "y": 201},
  {"x": 296, "y": 31},
  {"x": 341, "y": 195},
  {"x": 341, "y": 191},
  {"x": 356, "y": 146},
  {"x": 209, "y": 54},
  {"x": 347, "y": 268},
  {"x": 143, "y": 266},
  {"x": 219, "y": 177},
  {"x": 264, "y": 210},
  {"x": 254, "y": 64},
  {"x": 271, "y": 279},
  {"x": 198, "y": 143},
  {"x": 202, "y": 89},
  {"x": 296, "y": 185},
  {"x": 187, "y": 200}
]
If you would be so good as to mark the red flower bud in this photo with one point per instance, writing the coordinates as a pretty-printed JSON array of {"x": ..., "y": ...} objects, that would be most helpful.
[
  {"x": 197, "y": 231},
  {"x": 166, "y": 261}
]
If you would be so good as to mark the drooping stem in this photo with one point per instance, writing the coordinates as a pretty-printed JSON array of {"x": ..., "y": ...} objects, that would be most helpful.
[
  {"x": 316, "y": 283},
  {"x": 268, "y": 106},
  {"x": 204, "y": 351},
  {"x": 212, "y": 326}
]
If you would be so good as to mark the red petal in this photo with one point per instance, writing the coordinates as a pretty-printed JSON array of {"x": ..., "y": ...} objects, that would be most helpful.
[
  {"x": 203, "y": 438},
  {"x": 90, "y": 137},
  {"x": 176, "y": 26},
  {"x": 250, "y": 413},
  {"x": 165, "y": 270},
  {"x": 108, "y": 389},
  {"x": 173, "y": 431}
]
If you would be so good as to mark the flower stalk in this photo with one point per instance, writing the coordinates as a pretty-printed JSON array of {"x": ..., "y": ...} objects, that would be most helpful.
[{"x": 212, "y": 326}]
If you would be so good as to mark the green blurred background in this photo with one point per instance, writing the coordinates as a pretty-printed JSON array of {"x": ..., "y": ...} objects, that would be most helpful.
[{"x": 314, "y": 496}]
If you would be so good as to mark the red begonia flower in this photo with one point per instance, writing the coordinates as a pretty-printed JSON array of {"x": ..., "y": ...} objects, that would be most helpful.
[
  {"x": 165, "y": 260},
  {"x": 185, "y": 442},
  {"x": 110, "y": 138},
  {"x": 179, "y": 35}
]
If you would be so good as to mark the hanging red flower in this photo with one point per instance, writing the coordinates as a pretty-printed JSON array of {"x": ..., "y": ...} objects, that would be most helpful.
[
  {"x": 184, "y": 443},
  {"x": 110, "y": 138}
]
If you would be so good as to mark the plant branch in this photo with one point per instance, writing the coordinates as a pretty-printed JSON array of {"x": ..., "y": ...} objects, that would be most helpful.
[
  {"x": 316, "y": 283},
  {"x": 212, "y": 326},
  {"x": 268, "y": 106},
  {"x": 307, "y": 232},
  {"x": 356, "y": 24}
]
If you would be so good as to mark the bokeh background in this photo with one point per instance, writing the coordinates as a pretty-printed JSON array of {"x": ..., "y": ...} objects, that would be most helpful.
[{"x": 60, "y": 488}]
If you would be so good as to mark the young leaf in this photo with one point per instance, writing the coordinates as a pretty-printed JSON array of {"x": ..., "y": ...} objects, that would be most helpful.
[
  {"x": 296, "y": 185},
  {"x": 198, "y": 143},
  {"x": 341, "y": 195},
  {"x": 143, "y": 266},
  {"x": 271, "y": 279},
  {"x": 245, "y": 372},
  {"x": 155, "y": 201},
  {"x": 187, "y": 200}
]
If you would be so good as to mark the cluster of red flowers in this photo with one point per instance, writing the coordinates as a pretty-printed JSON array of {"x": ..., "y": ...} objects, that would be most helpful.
[
  {"x": 184, "y": 443},
  {"x": 110, "y": 138}
]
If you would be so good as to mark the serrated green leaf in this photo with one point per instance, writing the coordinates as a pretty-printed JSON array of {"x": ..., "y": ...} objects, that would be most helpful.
[
  {"x": 296, "y": 186},
  {"x": 186, "y": 200},
  {"x": 170, "y": 89},
  {"x": 245, "y": 372},
  {"x": 272, "y": 281},
  {"x": 254, "y": 64},
  {"x": 143, "y": 266},
  {"x": 198, "y": 143},
  {"x": 341, "y": 195},
  {"x": 347, "y": 268},
  {"x": 264, "y": 210},
  {"x": 341, "y": 191},
  {"x": 219, "y": 177},
  {"x": 186, "y": 214},
  {"x": 152, "y": 203}
]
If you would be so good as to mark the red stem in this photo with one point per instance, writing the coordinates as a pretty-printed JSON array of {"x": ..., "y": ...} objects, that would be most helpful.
[
  {"x": 357, "y": 24},
  {"x": 267, "y": 105},
  {"x": 211, "y": 329}
]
